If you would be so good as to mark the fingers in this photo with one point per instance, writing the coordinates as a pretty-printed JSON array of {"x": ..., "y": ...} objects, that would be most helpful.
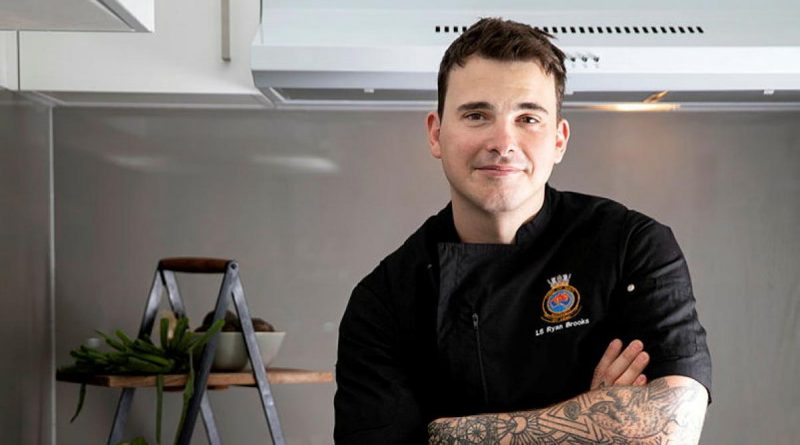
[
  {"x": 611, "y": 354},
  {"x": 627, "y": 367},
  {"x": 634, "y": 369},
  {"x": 621, "y": 368}
]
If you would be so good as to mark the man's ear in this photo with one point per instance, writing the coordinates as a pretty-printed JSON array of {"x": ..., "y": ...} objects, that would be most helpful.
[
  {"x": 562, "y": 137},
  {"x": 434, "y": 126}
]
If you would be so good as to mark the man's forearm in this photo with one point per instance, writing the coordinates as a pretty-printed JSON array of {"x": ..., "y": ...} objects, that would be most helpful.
[{"x": 667, "y": 411}]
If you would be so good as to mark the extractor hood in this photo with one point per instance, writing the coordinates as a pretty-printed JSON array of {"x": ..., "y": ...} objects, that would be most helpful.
[
  {"x": 367, "y": 58},
  {"x": 78, "y": 15}
]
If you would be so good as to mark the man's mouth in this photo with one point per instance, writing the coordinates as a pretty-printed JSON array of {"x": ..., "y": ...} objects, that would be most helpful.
[{"x": 499, "y": 170}]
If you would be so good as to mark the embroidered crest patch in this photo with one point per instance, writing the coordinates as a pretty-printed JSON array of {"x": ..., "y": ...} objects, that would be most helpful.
[{"x": 562, "y": 301}]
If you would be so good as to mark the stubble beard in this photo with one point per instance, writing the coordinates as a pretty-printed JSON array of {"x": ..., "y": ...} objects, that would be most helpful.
[{"x": 491, "y": 199}]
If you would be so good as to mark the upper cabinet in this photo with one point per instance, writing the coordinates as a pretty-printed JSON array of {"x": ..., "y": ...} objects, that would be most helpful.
[
  {"x": 8, "y": 60},
  {"x": 197, "y": 47},
  {"x": 77, "y": 15}
]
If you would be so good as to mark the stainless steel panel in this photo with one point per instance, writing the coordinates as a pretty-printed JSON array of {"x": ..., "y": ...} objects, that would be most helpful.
[{"x": 26, "y": 272}]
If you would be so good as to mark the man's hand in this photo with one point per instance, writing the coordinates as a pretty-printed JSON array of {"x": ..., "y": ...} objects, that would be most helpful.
[{"x": 618, "y": 367}]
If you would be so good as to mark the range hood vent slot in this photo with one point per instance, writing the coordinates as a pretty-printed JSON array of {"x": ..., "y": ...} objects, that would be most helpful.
[
  {"x": 446, "y": 29},
  {"x": 623, "y": 29},
  {"x": 583, "y": 29}
]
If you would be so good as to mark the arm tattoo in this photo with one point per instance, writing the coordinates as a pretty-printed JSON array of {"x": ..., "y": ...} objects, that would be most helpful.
[{"x": 656, "y": 414}]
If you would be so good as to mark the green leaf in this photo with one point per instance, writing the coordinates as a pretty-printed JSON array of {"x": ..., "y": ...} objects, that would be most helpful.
[
  {"x": 200, "y": 340},
  {"x": 180, "y": 331},
  {"x": 186, "y": 341},
  {"x": 125, "y": 339},
  {"x": 111, "y": 342},
  {"x": 188, "y": 390},
  {"x": 81, "y": 397},
  {"x": 155, "y": 359},
  {"x": 159, "y": 405},
  {"x": 164, "y": 332},
  {"x": 145, "y": 346},
  {"x": 136, "y": 364}
]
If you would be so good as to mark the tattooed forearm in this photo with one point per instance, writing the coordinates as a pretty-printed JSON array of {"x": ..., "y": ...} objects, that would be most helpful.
[{"x": 657, "y": 414}]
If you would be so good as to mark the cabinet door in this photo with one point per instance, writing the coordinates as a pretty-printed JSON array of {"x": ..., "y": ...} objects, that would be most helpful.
[
  {"x": 183, "y": 55},
  {"x": 77, "y": 15},
  {"x": 8, "y": 60}
]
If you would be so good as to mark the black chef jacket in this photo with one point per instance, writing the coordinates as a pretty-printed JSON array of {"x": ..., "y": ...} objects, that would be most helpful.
[{"x": 443, "y": 328}]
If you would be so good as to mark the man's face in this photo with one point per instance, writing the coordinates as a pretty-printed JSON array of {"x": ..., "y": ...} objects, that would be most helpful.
[{"x": 499, "y": 135}]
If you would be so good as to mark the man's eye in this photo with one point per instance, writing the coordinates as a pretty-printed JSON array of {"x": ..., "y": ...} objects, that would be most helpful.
[
  {"x": 473, "y": 117},
  {"x": 529, "y": 119}
]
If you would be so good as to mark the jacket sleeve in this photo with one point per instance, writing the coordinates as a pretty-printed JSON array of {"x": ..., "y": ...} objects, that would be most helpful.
[
  {"x": 655, "y": 303},
  {"x": 374, "y": 401}
]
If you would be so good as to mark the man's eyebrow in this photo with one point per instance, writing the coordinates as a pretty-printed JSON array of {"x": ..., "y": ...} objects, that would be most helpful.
[
  {"x": 531, "y": 106},
  {"x": 471, "y": 106},
  {"x": 482, "y": 105}
]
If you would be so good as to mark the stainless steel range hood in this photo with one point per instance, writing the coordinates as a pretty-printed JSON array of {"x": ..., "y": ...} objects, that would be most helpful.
[{"x": 665, "y": 56}]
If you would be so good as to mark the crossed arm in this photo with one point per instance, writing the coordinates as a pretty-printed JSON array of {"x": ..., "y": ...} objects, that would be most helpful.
[{"x": 668, "y": 410}]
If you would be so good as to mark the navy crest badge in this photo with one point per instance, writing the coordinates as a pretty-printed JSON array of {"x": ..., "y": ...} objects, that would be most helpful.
[{"x": 562, "y": 302}]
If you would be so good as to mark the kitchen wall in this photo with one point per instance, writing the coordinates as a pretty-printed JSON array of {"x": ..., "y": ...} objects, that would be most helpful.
[
  {"x": 309, "y": 202},
  {"x": 26, "y": 272}
]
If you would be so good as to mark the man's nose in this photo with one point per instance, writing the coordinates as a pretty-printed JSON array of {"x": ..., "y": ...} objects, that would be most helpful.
[{"x": 503, "y": 140}]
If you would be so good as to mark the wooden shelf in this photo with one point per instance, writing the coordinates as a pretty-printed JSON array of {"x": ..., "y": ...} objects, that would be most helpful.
[{"x": 216, "y": 380}]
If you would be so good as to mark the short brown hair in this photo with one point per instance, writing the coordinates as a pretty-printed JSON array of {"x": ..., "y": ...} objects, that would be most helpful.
[{"x": 504, "y": 40}]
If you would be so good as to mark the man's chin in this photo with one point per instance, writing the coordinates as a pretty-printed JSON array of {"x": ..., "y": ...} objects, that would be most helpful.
[{"x": 499, "y": 205}]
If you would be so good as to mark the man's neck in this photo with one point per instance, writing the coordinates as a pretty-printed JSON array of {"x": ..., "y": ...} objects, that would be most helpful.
[{"x": 477, "y": 226}]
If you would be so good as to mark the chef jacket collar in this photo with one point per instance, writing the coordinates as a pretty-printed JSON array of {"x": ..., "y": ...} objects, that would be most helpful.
[
  {"x": 530, "y": 231},
  {"x": 527, "y": 233}
]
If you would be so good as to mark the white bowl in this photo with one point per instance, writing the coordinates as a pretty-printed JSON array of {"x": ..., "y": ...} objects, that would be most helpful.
[{"x": 231, "y": 353}]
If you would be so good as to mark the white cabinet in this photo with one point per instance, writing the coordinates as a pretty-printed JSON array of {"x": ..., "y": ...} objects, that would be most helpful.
[
  {"x": 183, "y": 55},
  {"x": 8, "y": 60},
  {"x": 77, "y": 15}
]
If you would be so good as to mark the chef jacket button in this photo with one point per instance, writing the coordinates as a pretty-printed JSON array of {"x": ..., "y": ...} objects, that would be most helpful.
[{"x": 631, "y": 287}]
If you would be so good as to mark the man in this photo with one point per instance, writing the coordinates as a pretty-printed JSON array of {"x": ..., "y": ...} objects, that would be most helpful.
[{"x": 502, "y": 319}]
